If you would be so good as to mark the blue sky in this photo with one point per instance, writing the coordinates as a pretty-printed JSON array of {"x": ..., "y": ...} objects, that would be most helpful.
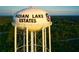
[{"x": 53, "y": 10}]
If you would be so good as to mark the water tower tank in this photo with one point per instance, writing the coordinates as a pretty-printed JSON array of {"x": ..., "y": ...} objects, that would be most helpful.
[{"x": 32, "y": 18}]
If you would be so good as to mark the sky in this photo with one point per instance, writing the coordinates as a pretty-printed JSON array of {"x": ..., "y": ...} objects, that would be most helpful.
[{"x": 53, "y": 10}]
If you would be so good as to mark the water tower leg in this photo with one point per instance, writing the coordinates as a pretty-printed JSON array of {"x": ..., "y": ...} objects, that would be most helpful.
[
  {"x": 15, "y": 39},
  {"x": 27, "y": 40},
  {"x": 43, "y": 39},
  {"x": 35, "y": 41},
  {"x": 32, "y": 47},
  {"x": 49, "y": 39},
  {"x": 24, "y": 40}
]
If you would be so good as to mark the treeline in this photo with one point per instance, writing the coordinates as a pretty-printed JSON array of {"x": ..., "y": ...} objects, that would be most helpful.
[
  {"x": 65, "y": 33},
  {"x": 6, "y": 34}
]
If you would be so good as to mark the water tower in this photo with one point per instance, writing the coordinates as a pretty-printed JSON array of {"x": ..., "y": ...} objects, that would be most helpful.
[{"x": 31, "y": 21}]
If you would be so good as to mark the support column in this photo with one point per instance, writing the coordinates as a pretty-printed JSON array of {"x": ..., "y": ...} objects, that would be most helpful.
[
  {"x": 35, "y": 41},
  {"x": 49, "y": 39},
  {"x": 24, "y": 40},
  {"x": 43, "y": 39},
  {"x": 32, "y": 46},
  {"x": 27, "y": 47},
  {"x": 15, "y": 38}
]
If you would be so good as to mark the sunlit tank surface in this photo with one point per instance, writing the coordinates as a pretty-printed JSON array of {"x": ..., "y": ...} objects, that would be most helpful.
[{"x": 32, "y": 18}]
